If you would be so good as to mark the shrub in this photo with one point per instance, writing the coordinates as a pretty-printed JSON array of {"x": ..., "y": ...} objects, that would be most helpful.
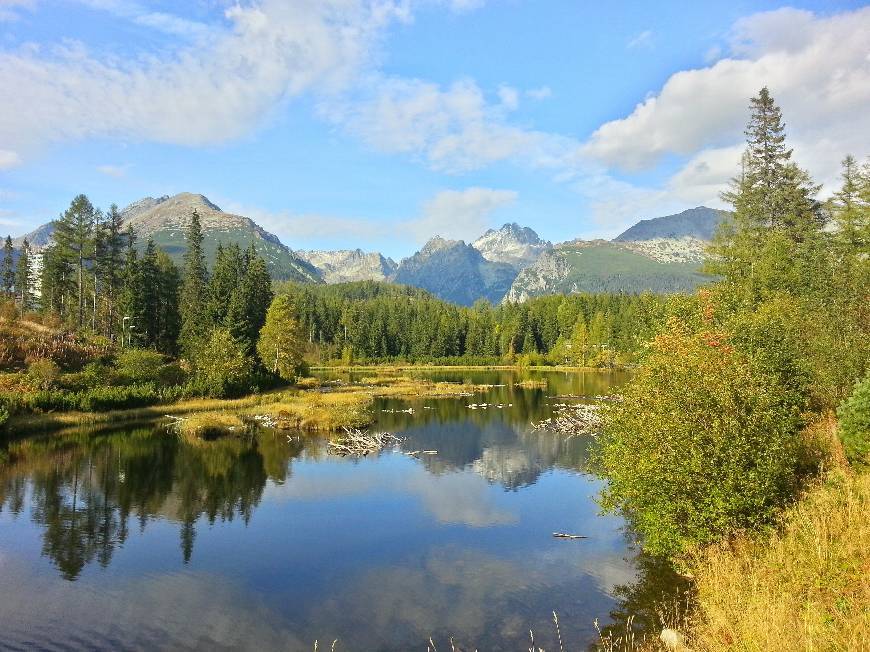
[
  {"x": 221, "y": 367},
  {"x": 4, "y": 416},
  {"x": 43, "y": 373},
  {"x": 703, "y": 443},
  {"x": 854, "y": 430},
  {"x": 139, "y": 365},
  {"x": 99, "y": 399}
]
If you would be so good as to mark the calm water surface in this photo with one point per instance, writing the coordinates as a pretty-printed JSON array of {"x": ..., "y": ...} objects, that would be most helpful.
[{"x": 134, "y": 539}]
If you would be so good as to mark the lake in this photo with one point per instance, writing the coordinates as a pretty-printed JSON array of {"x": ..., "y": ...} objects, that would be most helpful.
[{"x": 134, "y": 538}]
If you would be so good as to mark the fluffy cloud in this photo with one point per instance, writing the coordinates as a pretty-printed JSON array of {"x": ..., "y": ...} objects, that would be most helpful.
[
  {"x": 454, "y": 129},
  {"x": 270, "y": 52},
  {"x": 9, "y": 8},
  {"x": 817, "y": 68},
  {"x": 9, "y": 159}
]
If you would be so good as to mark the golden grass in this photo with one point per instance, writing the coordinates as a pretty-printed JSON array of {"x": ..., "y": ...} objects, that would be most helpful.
[
  {"x": 207, "y": 425},
  {"x": 806, "y": 587},
  {"x": 319, "y": 410},
  {"x": 300, "y": 408},
  {"x": 530, "y": 383}
]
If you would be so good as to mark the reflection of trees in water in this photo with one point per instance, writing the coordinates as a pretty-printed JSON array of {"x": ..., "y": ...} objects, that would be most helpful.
[
  {"x": 86, "y": 488},
  {"x": 658, "y": 593}
]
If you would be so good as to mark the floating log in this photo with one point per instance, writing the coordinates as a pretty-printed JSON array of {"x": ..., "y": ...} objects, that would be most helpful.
[{"x": 565, "y": 535}]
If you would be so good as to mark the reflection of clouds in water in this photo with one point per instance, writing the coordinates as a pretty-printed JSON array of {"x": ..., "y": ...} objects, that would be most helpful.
[
  {"x": 177, "y": 611},
  {"x": 459, "y": 498},
  {"x": 463, "y": 590}
]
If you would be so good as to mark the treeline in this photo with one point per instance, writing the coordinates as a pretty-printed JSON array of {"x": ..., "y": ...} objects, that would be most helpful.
[
  {"x": 376, "y": 322},
  {"x": 713, "y": 434}
]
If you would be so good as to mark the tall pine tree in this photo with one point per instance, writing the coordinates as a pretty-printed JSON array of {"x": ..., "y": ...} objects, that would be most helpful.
[
  {"x": 8, "y": 267},
  {"x": 74, "y": 245},
  {"x": 24, "y": 277},
  {"x": 194, "y": 289}
]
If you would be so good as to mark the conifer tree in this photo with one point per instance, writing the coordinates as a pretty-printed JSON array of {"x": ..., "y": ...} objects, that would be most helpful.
[
  {"x": 8, "y": 267},
  {"x": 226, "y": 276},
  {"x": 132, "y": 296},
  {"x": 773, "y": 241},
  {"x": 24, "y": 277},
  {"x": 169, "y": 323},
  {"x": 250, "y": 301},
  {"x": 74, "y": 241},
  {"x": 109, "y": 264},
  {"x": 194, "y": 289}
]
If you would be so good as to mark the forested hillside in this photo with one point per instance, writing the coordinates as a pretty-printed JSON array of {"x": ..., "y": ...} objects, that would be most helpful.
[{"x": 377, "y": 322}]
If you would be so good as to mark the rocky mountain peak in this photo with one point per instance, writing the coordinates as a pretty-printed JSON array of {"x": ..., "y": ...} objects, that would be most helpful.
[{"x": 515, "y": 245}]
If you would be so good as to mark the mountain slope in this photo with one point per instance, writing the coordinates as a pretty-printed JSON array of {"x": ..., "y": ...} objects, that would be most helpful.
[
  {"x": 602, "y": 266},
  {"x": 346, "y": 265},
  {"x": 165, "y": 220},
  {"x": 699, "y": 223},
  {"x": 456, "y": 272},
  {"x": 512, "y": 244}
]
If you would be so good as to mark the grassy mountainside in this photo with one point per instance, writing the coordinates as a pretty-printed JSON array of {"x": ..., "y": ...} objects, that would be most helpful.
[{"x": 601, "y": 266}]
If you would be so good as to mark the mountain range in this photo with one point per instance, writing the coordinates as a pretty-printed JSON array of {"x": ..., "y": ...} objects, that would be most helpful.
[{"x": 511, "y": 263}]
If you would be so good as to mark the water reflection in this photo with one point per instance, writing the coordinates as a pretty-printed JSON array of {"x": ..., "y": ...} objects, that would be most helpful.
[
  {"x": 264, "y": 541},
  {"x": 85, "y": 490}
]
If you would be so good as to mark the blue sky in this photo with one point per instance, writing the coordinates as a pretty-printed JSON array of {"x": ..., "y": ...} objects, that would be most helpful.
[{"x": 378, "y": 123}]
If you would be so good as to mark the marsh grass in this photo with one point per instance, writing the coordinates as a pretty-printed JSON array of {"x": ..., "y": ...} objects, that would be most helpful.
[
  {"x": 210, "y": 425},
  {"x": 804, "y": 587}
]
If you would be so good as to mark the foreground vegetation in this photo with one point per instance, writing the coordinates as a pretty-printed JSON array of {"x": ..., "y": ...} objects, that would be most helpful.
[{"x": 714, "y": 454}]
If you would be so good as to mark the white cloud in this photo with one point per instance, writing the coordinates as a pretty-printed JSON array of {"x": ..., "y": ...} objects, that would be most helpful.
[
  {"x": 9, "y": 9},
  {"x": 542, "y": 93},
  {"x": 642, "y": 40},
  {"x": 116, "y": 171},
  {"x": 816, "y": 67},
  {"x": 454, "y": 129},
  {"x": 9, "y": 159},
  {"x": 459, "y": 214},
  {"x": 509, "y": 96},
  {"x": 208, "y": 94}
]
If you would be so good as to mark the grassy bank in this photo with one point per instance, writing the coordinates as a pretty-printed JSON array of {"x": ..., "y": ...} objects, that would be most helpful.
[
  {"x": 804, "y": 587},
  {"x": 309, "y": 406},
  {"x": 399, "y": 368}
]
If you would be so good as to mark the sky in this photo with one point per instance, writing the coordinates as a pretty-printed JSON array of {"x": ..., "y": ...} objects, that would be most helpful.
[{"x": 380, "y": 123}]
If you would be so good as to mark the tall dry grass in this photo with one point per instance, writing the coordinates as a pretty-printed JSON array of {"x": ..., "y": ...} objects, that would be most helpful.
[{"x": 805, "y": 587}]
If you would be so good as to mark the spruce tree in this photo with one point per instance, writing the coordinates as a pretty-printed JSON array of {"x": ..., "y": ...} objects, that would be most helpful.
[
  {"x": 250, "y": 301},
  {"x": 226, "y": 276},
  {"x": 772, "y": 242},
  {"x": 169, "y": 324},
  {"x": 131, "y": 304},
  {"x": 8, "y": 267},
  {"x": 194, "y": 289},
  {"x": 109, "y": 264},
  {"x": 74, "y": 239},
  {"x": 24, "y": 277}
]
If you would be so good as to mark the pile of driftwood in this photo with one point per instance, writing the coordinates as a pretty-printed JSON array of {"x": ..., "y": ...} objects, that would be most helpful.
[
  {"x": 572, "y": 419},
  {"x": 359, "y": 443}
]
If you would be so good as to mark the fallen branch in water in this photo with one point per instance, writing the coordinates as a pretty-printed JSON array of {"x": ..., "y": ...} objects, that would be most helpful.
[
  {"x": 358, "y": 443},
  {"x": 565, "y": 535},
  {"x": 576, "y": 419}
]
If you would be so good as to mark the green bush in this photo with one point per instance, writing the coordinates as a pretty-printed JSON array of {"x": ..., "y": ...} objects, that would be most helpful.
[
  {"x": 99, "y": 399},
  {"x": 703, "y": 443},
  {"x": 4, "y": 416},
  {"x": 43, "y": 373},
  {"x": 138, "y": 366},
  {"x": 854, "y": 430},
  {"x": 221, "y": 367}
]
